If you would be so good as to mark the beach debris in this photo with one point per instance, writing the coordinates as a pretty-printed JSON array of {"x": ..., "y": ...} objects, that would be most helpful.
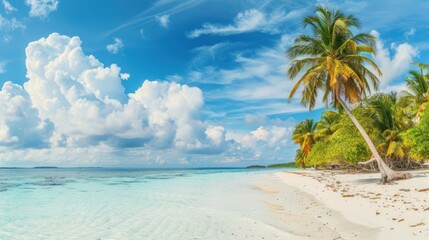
[
  {"x": 423, "y": 190},
  {"x": 404, "y": 190},
  {"x": 348, "y": 195},
  {"x": 418, "y": 224}
]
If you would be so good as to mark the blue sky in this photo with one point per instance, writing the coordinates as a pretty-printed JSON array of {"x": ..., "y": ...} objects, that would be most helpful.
[{"x": 169, "y": 83}]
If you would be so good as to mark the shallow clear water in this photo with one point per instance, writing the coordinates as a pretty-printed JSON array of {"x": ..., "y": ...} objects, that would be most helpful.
[{"x": 99, "y": 203}]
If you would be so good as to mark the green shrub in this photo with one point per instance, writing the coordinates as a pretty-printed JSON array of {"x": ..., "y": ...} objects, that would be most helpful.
[{"x": 417, "y": 138}]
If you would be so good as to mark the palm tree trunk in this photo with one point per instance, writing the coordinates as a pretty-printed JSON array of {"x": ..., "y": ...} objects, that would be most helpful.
[{"x": 387, "y": 174}]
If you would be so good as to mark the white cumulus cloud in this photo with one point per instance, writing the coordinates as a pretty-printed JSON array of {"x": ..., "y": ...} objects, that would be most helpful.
[
  {"x": 116, "y": 46},
  {"x": 42, "y": 8},
  {"x": 72, "y": 100},
  {"x": 20, "y": 125},
  {"x": 394, "y": 66},
  {"x": 267, "y": 143},
  {"x": 273, "y": 136},
  {"x": 73, "y": 110}
]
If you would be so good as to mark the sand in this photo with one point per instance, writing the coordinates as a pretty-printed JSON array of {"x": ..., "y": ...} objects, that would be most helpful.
[{"x": 355, "y": 206}]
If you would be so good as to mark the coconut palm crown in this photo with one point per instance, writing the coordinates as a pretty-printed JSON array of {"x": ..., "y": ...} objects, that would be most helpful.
[
  {"x": 331, "y": 60},
  {"x": 304, "y": 135},
  {"x": 326, "y": 126}
]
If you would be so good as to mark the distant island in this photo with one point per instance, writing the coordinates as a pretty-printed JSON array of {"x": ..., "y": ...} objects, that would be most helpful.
[
  {"x": 279, "y": 165},
  {"x": 44, "y": 167}
]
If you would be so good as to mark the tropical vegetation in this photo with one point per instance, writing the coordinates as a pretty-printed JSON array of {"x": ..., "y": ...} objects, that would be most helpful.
[
  {"x": 401, "y": 144},
  {"x": 279, "y": 165},
  {"x": 334, "y": 64}
]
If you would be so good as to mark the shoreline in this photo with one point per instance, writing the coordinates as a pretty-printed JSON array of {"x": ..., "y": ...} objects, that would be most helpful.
[{"x": 373, "y": 211}]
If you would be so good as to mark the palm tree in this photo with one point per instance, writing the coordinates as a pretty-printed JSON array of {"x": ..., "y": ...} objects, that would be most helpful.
[
  {"x": 332, "y": 63},
  {"x": 418, "y": 85},
  {"x": 304, "y": 135},
  {"x": 326, "y": 125},
  {"x": 382, "y": 109},
  {"x": 386, "y": 116}
]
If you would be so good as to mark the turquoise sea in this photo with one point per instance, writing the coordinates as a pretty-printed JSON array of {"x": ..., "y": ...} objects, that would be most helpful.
[{"x": 103, "y": 203}]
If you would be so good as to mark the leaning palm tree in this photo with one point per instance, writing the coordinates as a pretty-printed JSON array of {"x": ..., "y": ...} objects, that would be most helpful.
[
  {"x": 304, "y": 135},
  {"x": 333, "y": 61}
]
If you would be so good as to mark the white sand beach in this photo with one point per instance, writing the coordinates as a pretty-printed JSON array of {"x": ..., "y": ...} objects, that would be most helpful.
[{"x": 354, "y": 206}]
